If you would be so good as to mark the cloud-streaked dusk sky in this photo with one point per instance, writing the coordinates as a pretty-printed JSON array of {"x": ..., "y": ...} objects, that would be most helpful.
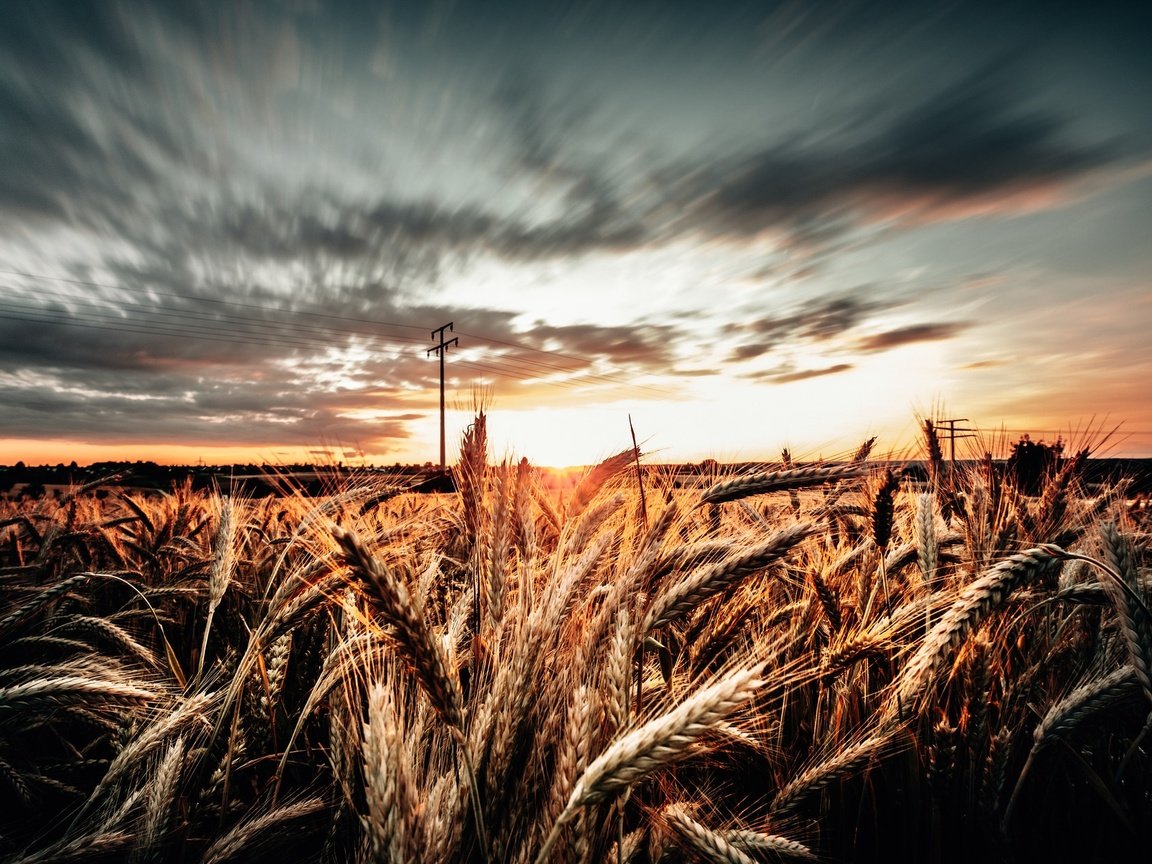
[{"x": 227, "y": 229}]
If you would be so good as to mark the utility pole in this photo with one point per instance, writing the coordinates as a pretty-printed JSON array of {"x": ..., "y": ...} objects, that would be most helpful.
[
  {"x": 441, "y": 349},
  {"x": 954, "y": 433}
]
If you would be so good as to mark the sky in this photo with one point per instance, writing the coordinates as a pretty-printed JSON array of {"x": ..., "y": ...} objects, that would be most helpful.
[{"x": 228, "y": 230}]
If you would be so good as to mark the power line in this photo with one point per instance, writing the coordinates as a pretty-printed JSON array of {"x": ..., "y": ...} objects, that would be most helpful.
[
  {"x": 213, "y": 323},
  {"x": 196, "y": 299},
  {"x": 522, "y": 346},
  {"x": 189, "y": 330},
  {"x": 225, "y": 336},
  {"x": 516, "y": 375},
  {"x": 192, "y": 316},
  {"x": 615, "y": 378},
  {"x": 1122, "y": 429},
  {"x": 153, "y": 331}
]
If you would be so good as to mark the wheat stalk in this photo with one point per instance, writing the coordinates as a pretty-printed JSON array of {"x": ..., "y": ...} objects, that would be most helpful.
[{"x": 778, "y": 481}]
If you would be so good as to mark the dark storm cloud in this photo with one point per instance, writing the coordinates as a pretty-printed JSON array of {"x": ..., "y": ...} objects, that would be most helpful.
[
  {"x": 77, "y": 150},
  {"x": 538, "y": 131},
  {"x": 427, "y": 230},
  {"x": 85, "y": 126},
  {"x": 270, "y": 407},
  {"x": 82, "y": 152},
  {"x": 33, "y": 35},
  {"x": 177, "y": 364},
  {"x": 141, "y": 334},
  {"x": 51, "y": 163},
  {"x": 972, "y": 142},
  {"x": 908, "y": 335},
  {"x": 817, "y": 320}
]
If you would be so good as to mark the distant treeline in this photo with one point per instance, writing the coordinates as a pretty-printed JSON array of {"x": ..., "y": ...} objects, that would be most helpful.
[
  {"x": 260, "y": 480},
  {"x": 255, "y": 480}
]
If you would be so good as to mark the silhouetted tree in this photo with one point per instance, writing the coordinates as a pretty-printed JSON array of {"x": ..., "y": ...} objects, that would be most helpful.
[{"x": 1032, "y": 461}]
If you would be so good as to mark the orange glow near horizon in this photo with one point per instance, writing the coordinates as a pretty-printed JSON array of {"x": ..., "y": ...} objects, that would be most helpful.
[
  {"x": 726, "y": 418},
  {"x": 563, "y": 438},
  {"x": 54, "y": 452}
]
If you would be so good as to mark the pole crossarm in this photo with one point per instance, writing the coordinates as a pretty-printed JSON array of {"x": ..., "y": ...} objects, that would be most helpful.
[{"x": 441, "y": 348}]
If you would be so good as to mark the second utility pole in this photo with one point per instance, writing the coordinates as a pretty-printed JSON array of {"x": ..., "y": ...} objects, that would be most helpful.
[{"x": 442, "y": 349}]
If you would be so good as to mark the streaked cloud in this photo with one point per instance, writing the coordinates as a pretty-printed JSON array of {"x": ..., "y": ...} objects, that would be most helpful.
[
  {"x": 908, "y": 335},
  {"x": 772, "y": 376}
]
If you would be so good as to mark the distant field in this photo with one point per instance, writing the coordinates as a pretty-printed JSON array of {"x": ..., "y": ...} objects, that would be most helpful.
[{"x": 314, "y": 480}]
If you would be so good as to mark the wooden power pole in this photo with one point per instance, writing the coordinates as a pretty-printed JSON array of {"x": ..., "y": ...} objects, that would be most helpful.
[
  {"x": 441, "y": 349},
  {"x": 954, "y": 433}
]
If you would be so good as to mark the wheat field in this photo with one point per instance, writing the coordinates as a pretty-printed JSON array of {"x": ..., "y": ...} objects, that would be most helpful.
[{"x": 819, "y": 662}]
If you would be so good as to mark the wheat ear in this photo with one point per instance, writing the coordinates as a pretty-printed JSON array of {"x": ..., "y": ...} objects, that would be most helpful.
[
  {"x": 386, "y": 784},
  {"x": 419, "y": 647},
  {"x": 654, "y": 745},
  {"x": 707, "y": 582},
  {"x": 101, "y": 844},
  {"x": 927, "y": 546},
  {"x": 1069, "y": 712},
  {"x": 839, "y": 765},
  {"x": 773, "y": 844},
  {"x": 18, "y": 615},
  {"x": 55, "y": 691},
  {"x": 423, "y": 653},
  {"x": 974, "y": 603},
  {"x": 158, "y": 805},
  {"x": 223, "y": 563},
  {"x": 244, "y": 836},
  {"x": 705, "y": 842},
  {"x": 595, "y": 479},
  {"x": 778, "y": 481},
  {"x": 1135, "y": 628}
]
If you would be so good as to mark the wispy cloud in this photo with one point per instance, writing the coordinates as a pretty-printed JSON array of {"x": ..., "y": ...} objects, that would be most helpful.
[
  {"x": 815, "y": 321},
  {"x": 773, "y": 376},
  {"x": 908, "y": 335}
]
